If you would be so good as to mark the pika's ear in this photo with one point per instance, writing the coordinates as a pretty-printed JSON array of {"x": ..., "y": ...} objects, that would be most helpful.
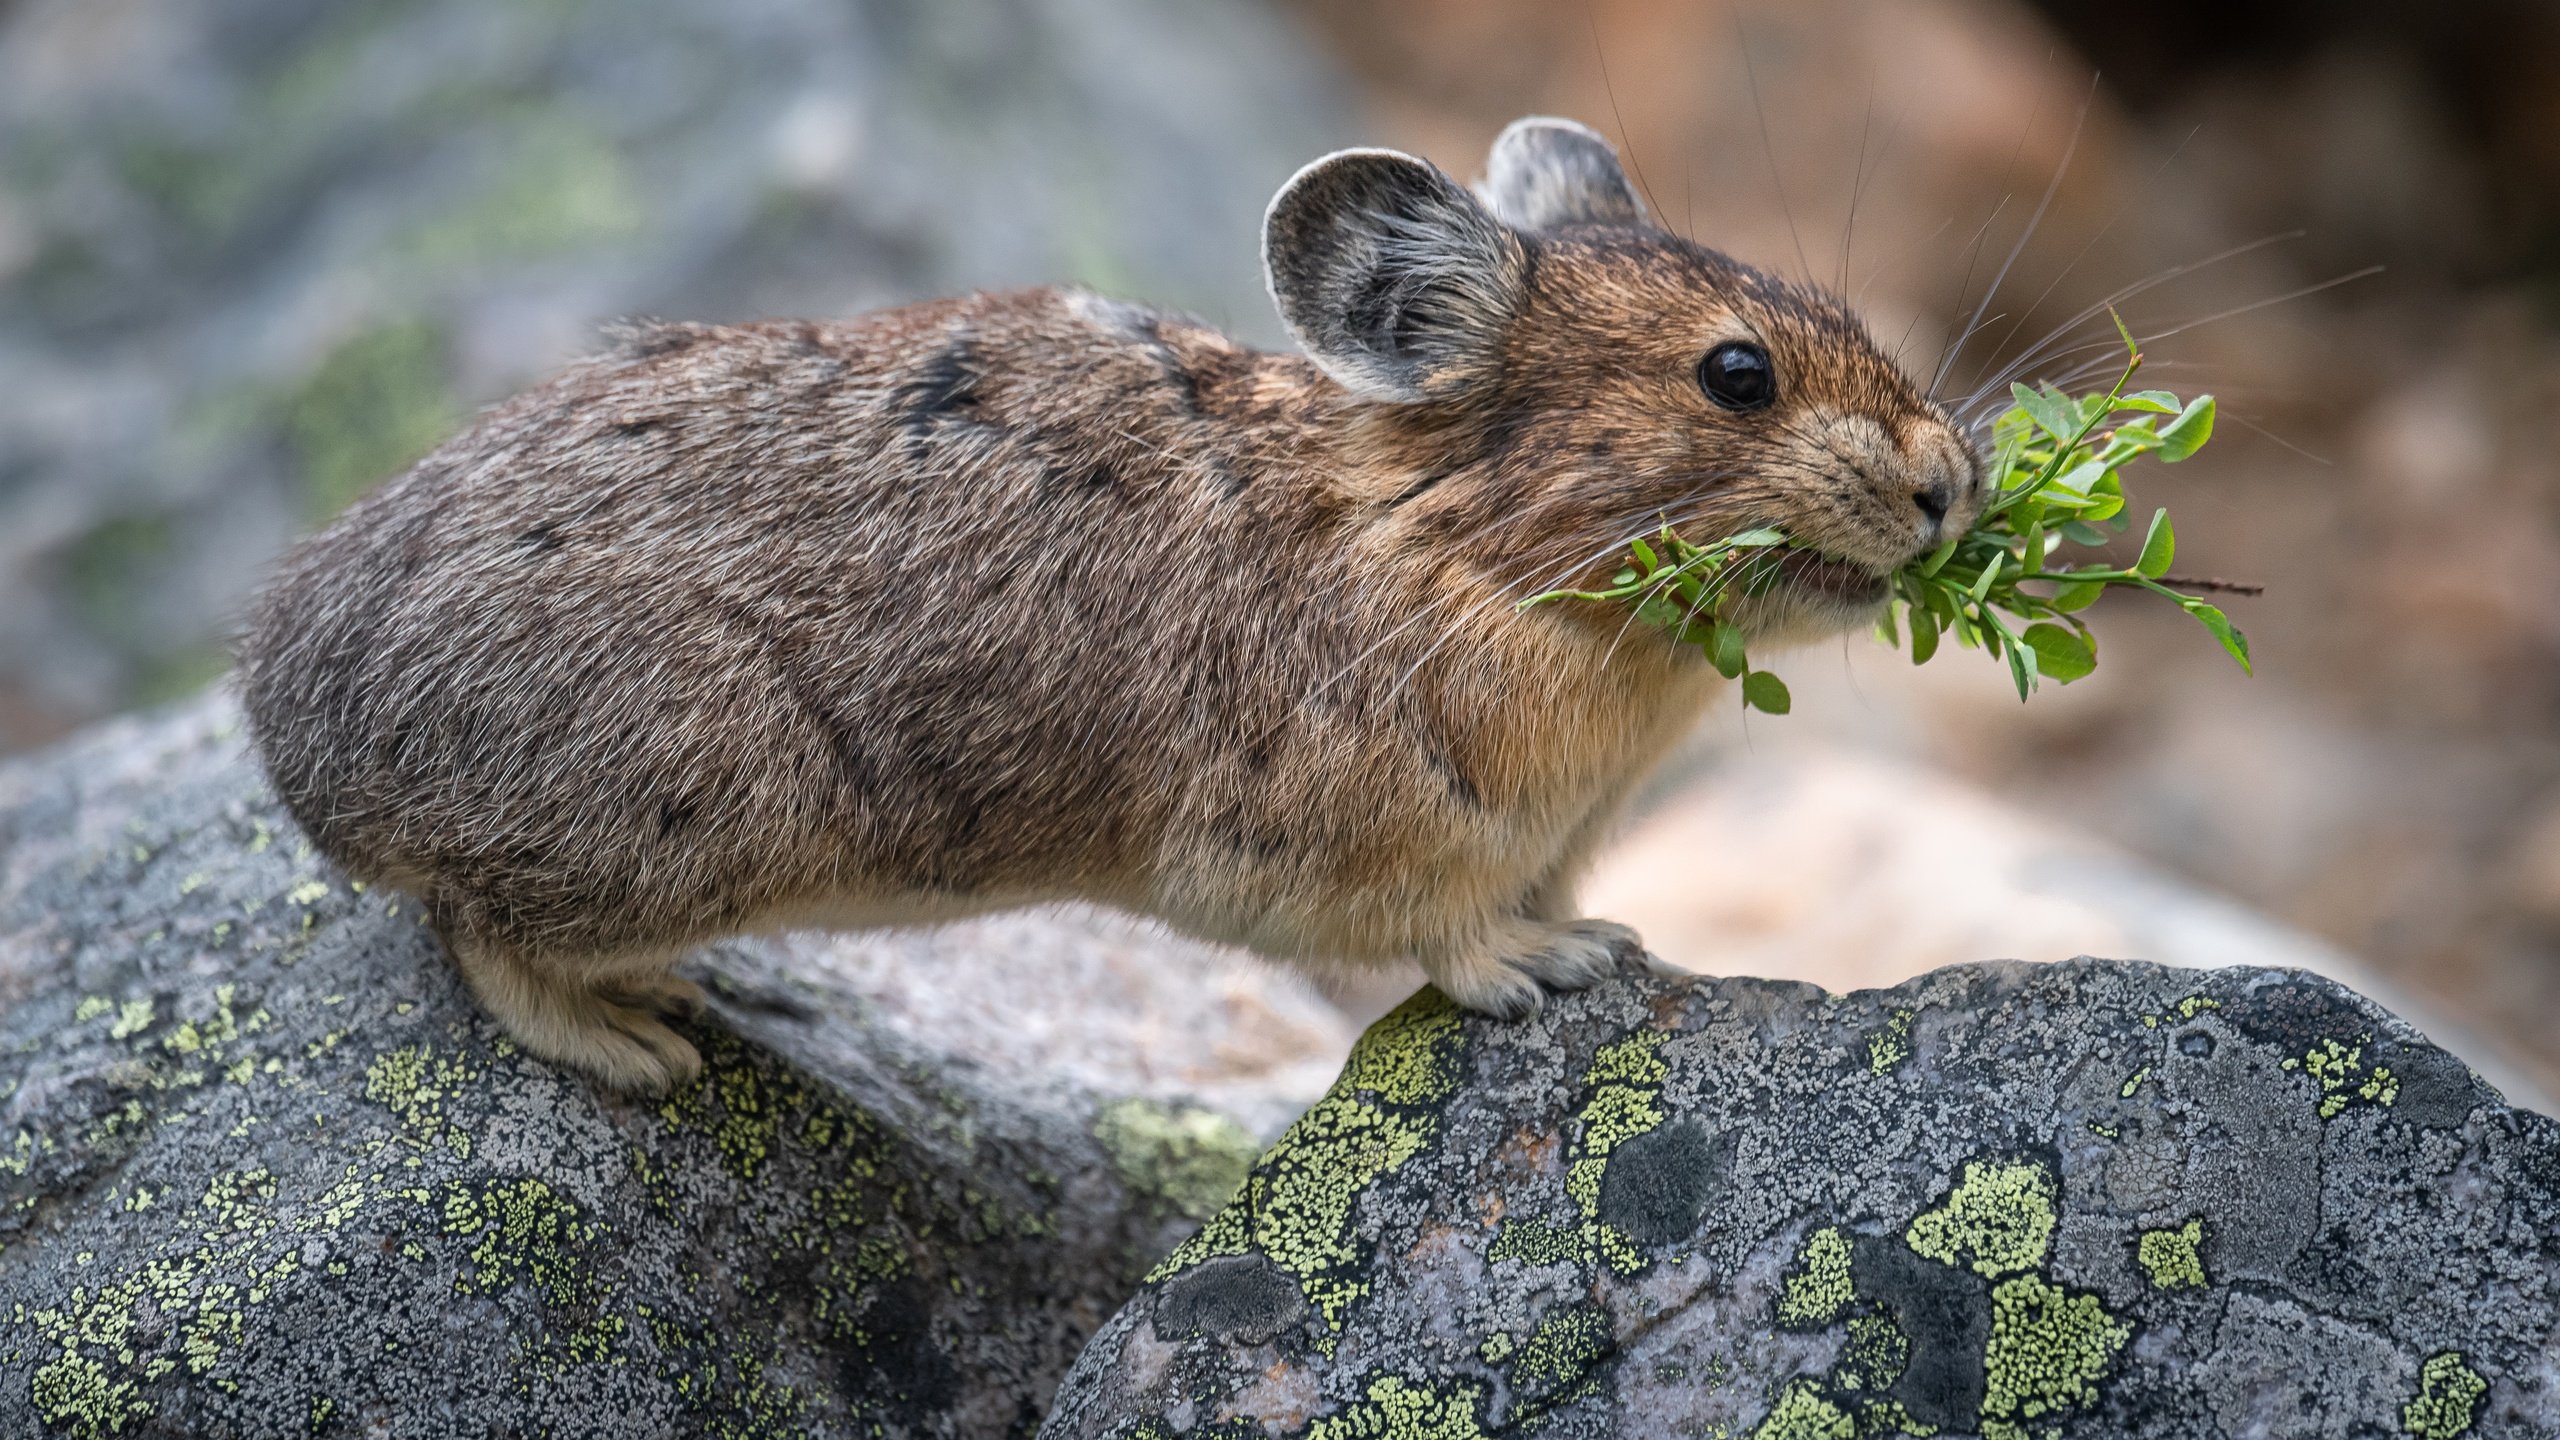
[
  {"x": 1545, "y": 172},
  {"x": 1390, "y": 275}
]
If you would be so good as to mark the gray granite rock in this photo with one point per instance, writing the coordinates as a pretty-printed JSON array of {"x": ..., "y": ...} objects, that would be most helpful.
[
  {"x": 265, "y": 1171},
  {"x": 2094, "y": 1199}
]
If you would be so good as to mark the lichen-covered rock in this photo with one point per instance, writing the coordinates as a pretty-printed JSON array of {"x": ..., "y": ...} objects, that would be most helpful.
[
  {"x": 264, "y": 1170},
  {"x": 2094, "y": 1199}
]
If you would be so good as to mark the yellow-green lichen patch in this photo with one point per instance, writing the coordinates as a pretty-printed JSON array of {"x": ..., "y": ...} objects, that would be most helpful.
[
  {"x": 2195, "y": 1005},
  {"x": 93, "y": 1384},
  {"x": 1626, "y": 1082},
  {"x": 754, "y": 1114},
  {"x": 1876, "y": 1355},
  {"x": 1879, "y": 1419},
  {"x": 1397, "y": 1410},
  {"x": 1556, "y": 1363},
  {"x": 1193, "y": 1157},
  {"x": 1891, "y": 1045},
  {"x": 2048, "y": 1345},
  {"x": 413, "y": 1084},
  {"x": 2448, "y": 1400},
  {"x": 1803, "y": 1412},
  {"x": 525, "y": 1234},
  {"x": 132, "y": 1019},
  {"x": 2345, "y": 1079},
  {"x": 1817, "y": 1289},
  {"x": 1998, "y": 1220},
  {"x": 2048, "y": 1349},
  {"x": 1295, "y": 1207},
  {"x": 1537, "y": 1243},
  {"x": 75, "y": 1393},
  {"x": 2174, "y": 1259},
  {"x": 1410, "y": 1057}
]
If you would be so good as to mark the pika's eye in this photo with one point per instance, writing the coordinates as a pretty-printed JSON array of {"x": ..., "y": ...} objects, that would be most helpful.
[{"x": 1737, "y": 376}]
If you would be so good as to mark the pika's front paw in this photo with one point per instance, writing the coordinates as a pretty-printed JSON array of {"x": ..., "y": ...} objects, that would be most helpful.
[{"x": 1511, "y": 982}]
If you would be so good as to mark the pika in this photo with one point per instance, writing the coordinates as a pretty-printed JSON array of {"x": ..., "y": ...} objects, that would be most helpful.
[{"x": 1027, "y": 597}]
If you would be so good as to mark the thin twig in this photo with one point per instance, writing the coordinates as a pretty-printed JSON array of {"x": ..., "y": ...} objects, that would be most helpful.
[{"x": 2226, "y": 587}]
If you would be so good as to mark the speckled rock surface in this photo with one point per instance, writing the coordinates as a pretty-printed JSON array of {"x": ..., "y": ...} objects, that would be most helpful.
[
  {"x": 264, "y": 1171},
  {"x": 2095, "y": 1199}
]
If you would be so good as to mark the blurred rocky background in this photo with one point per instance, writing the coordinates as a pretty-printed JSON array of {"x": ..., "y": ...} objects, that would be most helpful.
[{"x": 258, "y": 254}]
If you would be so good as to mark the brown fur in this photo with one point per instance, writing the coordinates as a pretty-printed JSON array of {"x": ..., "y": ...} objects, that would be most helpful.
[{"x": 1035, "y": 596}]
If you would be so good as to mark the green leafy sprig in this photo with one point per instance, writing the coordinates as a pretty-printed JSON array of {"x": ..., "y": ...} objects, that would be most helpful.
[{"x": 2058, "y": 460}]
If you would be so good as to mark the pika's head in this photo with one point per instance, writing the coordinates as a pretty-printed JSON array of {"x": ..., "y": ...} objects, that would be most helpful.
[{"x": 1592, "y": 376}]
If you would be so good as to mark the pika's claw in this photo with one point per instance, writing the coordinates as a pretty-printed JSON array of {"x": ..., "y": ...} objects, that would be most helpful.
[{"x": 1512, "y": 981}]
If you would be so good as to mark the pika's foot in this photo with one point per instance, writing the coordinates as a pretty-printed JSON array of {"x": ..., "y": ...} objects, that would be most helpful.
[
  {"x": 610, "y": 1028},
  {"x": 1511, "y": 980},
  {"x": 629, "y": 1049},
  {"x": 663, "y": 994}
]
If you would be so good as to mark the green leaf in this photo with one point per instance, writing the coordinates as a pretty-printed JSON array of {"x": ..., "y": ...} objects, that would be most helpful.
[
  {"x": 1938, "y": 558},
  {"x": 2158, "y": 402},
  {"x": 2022, "y": 665},
  {"x": 1924, "y": 635},
  {"x": 1760, "y": 539},
  {"x": 1645, "y": 553},
  {"x": 2060, "y": 653},
  {"x": 2132, "y": 438},
  {"x": 1888, "y": 634},
  {"x": 1724, "y": 651},
  {"x": 1982, "y": 583},
  {"x": 1767, "y": 693},
  {"x": 2053, "y": 413},
  {"x": 2158, "y": 548},
  {"x": 2078, "y": 595},
  {"x": 2080, "y": 479},
  {"x": 2223, "y": 630},
  {"x": 2186, "y": 435}
]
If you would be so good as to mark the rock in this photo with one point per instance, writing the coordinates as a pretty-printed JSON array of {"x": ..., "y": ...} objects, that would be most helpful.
[
  {"x": 2091, "y": 1199},
  {"x": 264, "y": 1169}
]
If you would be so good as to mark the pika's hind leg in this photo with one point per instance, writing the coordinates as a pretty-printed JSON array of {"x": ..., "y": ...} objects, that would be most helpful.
[
  {"x": 602, "y": 1020},
  {"x": 1507, "y": 973}
]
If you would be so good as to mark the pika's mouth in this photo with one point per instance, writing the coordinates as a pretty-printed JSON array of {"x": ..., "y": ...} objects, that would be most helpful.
[{"x": 1831, "y": 578}]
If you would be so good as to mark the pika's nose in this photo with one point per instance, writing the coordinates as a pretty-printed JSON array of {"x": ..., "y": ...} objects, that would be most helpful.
[{"x": 1934, "y": 497}]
